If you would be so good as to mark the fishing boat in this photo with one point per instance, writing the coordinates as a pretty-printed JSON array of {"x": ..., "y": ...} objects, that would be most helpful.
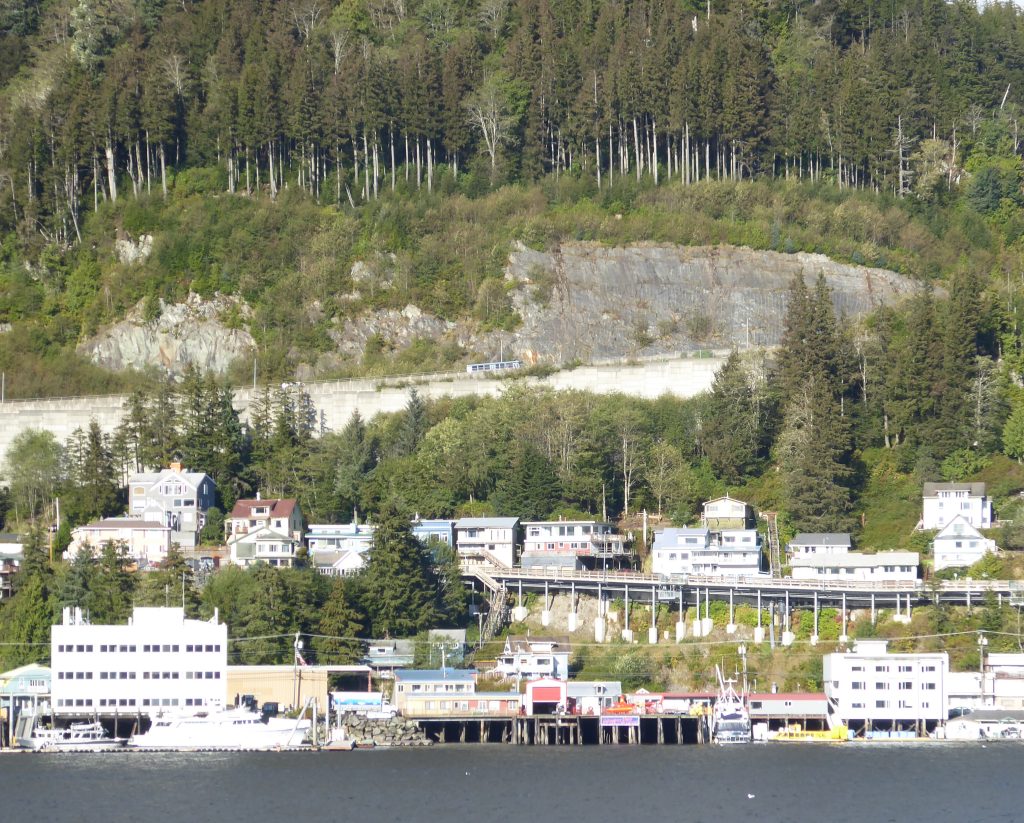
[
  {"x": 237, "y": 728},
  {"x": 78, "y": 737},
  {"x": 730, "y": 719}
]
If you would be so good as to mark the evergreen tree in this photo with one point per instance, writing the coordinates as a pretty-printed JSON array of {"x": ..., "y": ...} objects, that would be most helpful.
[
  {"x": 734, "y": 425},
  {"x": 530, "y": 489},
  {"x": 413, "y": 425},
  {"x": 1013, "y": 431},
  {"x": 340, "y": 625},
  {"x": 401, "y": 589}
]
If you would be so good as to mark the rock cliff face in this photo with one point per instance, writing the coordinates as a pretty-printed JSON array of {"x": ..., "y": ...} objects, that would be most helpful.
[
  {"x": 189, "y": 333},
  {"x": 585, "y": 301}
]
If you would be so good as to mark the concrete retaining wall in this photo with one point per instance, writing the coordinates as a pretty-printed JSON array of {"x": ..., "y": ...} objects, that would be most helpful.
[{"x": 336, "y": 400}]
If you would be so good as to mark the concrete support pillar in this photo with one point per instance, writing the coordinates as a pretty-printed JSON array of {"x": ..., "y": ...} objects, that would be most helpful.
[
  {"x": 627, "y": 633},
  {"x": 730, "y": 627},
  {"x": 759, "y": 629},
  {"x": 696, "y": 620},
  {"x": 707, "y": 623},
  {"x": 680, "y": 630},
  {"x": 573, "y": 621},
  {"x": 814, "y": 636},
  {"x": 652, "y": 632},
  {"x": 545, "y": 614},
  {"x": 843, "y": 637},
  {"x": 599, "y": 630},
  {"x": 519, "y": 611},
  {"x": 874, "y": 615}
]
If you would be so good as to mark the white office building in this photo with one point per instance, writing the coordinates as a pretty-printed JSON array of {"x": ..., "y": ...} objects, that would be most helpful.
[
  {"x": 871, "y": 688},
  {"x": 159, "y": 661}
]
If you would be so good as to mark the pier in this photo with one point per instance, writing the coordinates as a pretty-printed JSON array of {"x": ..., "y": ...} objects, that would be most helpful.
[{"x": 569, "y": 730}]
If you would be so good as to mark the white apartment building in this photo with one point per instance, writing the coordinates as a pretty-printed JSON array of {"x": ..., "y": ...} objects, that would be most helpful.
[
  {"x": 357, "y": 537},
  {"x": 871, "y": 687},
  {"x": 487, "y": 539},
  {"x": 158, "y": 661},
  {"x": 570, "y": 539},
  {"x": 884, "y": 566},
  {"x": 176, "y": 497},
  {"x": 959, "y": 544},
  {"x": 146, "y": 541},
  {"x": 944, "y": 501},
  {"x": 725, "y": 553},
  {"x": 808, "y": 543},
  {"x": 264, "y": 531}
]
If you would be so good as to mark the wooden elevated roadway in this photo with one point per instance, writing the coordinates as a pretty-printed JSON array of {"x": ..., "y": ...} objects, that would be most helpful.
[{"x": 761, "y": 590}]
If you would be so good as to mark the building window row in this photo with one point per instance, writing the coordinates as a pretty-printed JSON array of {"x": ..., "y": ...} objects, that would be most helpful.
[
  {"x": 77, "y": 701},
  {"x": 117, "y": 647},
  {"x": 202, "y": 675},
  {"x": 117, "y": 675},
  {"x": 160, "y": 701},
  {"x": 74, "y": 675},
  {"x": 117, "y": 701},
  {"x": 160, "y": 675},
  {"x": 199, "y": 647},
  {"x": 166, "y": 647},
  {"x": 74, "y": 647}
]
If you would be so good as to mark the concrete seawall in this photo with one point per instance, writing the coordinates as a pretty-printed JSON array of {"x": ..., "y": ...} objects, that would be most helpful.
[{"x": 336, "y": 400}]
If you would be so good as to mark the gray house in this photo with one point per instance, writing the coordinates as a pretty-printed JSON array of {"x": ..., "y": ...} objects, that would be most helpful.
[{"x": 176, "y": 497}]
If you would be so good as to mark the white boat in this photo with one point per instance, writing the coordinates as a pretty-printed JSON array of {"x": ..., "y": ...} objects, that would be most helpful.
[
  {"x": 229, "y": 729},
  {"x": 730, "y": 719},
  {"x": 78, "y": 737}
]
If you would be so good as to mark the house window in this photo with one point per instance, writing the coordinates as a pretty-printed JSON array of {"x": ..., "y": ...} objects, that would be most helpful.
[{"x": 881, "y": 704}]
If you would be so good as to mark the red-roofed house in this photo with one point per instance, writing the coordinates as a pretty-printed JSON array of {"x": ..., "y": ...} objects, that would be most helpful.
[{"x": 264, "y": 531}]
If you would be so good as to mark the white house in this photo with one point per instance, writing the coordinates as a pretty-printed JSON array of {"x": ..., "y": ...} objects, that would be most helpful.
[
  {"x": 807, "y": 543},
  {"x": 176, "y": 497},
  {"x": 727, "y": 513},
  {"x": 452, "y": 684},
  {"x": 159, "y": 661},
  {"x": 673, "y": 549},
  {"x": 146, "y": 541},
  {"x": 530, "y": 657},
  {"x": 338, "y": 563},
  {"x": 873, "y": 688},
  {"x": 487, "y": 540},
  {"x": 884, "y": 566},
  {"x": 944, "y": 501},
  {"x": 264, "y": 531},
  {"x": 356, "y": 537},
  {"x": 724, "y": 553},
  {"x": 959, "y": 544},
  {"x": 553, "y": 542},
  {"x": 11, "y": 552}
]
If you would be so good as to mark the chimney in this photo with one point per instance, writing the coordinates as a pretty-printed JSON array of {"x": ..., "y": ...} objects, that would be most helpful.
[
  {"x": 257, "y": 494},
  {"x": 176, "y": 466}
]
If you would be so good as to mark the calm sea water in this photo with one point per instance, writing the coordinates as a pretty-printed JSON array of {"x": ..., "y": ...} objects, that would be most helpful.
[{"x": 866, "y": 784}]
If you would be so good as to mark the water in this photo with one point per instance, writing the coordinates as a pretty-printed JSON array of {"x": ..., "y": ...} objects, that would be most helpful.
[{"x": 873, "y": 783}]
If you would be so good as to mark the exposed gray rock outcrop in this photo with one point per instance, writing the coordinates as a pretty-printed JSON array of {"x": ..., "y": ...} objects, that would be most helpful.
[
  {"x": 585, "y": 301},
  {"x": 393, "y": 731},
  {"x": 189, "y": 333}
]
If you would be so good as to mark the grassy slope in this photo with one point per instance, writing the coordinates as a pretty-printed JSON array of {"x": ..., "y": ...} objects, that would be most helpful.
[{"x": 291, "y": 259}]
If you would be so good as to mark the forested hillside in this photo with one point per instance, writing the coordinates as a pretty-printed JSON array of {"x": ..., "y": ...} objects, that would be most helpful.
[{"x": 269, "y": 146}]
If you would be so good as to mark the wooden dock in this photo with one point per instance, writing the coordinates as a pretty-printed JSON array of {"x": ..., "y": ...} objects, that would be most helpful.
[{"x": 568, "y": 730}]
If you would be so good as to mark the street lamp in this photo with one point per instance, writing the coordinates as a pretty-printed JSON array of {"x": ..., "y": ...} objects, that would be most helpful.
[{"x": 982, "y": 643}]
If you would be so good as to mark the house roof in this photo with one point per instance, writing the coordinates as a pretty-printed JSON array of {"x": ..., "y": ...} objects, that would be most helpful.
[
  {"x": 857, "y": 560},
  {"x": 195, "y": 478},
  {"x": 591, "y": 522},
  {"x": 975, "y": 489},
  {"x": 523, "y": 643},
  {"x": 949, "y": 531},
  {"x": 587, "y": 688},
  {"x": 259, "y": 535},
  {"x": 669, "y": 538},
  {"x": 336, "y": 558},
  {"x": 725, "y": 498},
  {"x": 486, "y": 522},
  {"x": 781, "y": 696},
  {"x": 447, "y": 675},
  {"x": 821, "y": 539},
  {"x": 124, "y": 523},
  {"x": 278, "y": 507}
]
